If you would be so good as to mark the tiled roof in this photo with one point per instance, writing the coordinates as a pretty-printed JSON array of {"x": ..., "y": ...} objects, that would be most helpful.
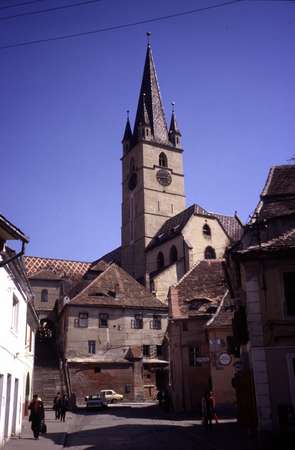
[
  {"x": 282, "y": 242},
  {"x": 278, "y": 195},
  {"x": 174, "y": 225},
  {"x": 115, "y": 287},
  {"x": 112, "y": 257},
  {"x": 68, "y": 269},
  {"x": 223, "y": 316},
  {"x": 203, "y": 285}
]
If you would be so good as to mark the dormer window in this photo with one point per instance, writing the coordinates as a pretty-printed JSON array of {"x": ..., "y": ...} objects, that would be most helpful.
[
  {"x": 210, "y": 253},
  {"x": 206, "y": 230},
  {"x": 163, "y": 161}
]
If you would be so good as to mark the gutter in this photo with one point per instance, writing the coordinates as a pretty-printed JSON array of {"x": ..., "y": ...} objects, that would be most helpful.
[{"x": 12, "y": 258}]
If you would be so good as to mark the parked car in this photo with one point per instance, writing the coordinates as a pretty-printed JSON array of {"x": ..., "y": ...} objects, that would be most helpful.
[
  {"x": 111, "y": 396},
  {"x": 95, "y": 401}
]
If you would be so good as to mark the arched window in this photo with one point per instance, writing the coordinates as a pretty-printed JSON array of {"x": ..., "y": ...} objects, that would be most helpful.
[
  {"x": 173, "y": 254},
  {"x": 160, "y": 260},
  {"x": 163, "y": 161},
  {"x": 210, "y": 253},
  {"x": 44, "y": 295},
  {"x": 206, "y": 230}
]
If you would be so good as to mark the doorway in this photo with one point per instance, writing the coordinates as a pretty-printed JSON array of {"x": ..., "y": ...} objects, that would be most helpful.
[{"x": 15, "y": 406}]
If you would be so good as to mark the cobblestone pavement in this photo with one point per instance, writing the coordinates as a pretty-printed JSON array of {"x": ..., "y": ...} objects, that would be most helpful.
[
  {"x": 54, "y": 439},
  {"x": 147, "y": 427}
]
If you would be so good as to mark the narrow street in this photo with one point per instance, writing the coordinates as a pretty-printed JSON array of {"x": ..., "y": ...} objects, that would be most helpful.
[{"x": 146, "y": 427}]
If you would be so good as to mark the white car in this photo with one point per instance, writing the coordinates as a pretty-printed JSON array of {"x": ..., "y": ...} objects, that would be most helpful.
[
  {"x": 95, "y": 401},
  {"x": 111, "y": 396}
]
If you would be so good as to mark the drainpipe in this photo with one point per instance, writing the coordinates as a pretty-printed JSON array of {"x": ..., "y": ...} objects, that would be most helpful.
[{"x": 12, "y": 258}]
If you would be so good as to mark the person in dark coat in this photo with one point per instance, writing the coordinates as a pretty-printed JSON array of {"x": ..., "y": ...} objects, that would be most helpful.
[
  {"x": 56, "y": 405},
  {"x": 37, "y": 415},
  {"x": 64, "y": 405}
]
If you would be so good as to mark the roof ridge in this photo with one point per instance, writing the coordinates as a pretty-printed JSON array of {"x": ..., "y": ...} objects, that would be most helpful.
[{"x": 210, "y": 321}]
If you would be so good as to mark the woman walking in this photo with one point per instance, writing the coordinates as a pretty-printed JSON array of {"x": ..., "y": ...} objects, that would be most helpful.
[
  {"x": 64, "y": 404},
  {"x": 36, "y": 415}
]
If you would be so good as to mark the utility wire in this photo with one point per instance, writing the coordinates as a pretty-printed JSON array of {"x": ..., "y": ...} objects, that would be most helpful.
[
  {"x": 119, "y": 27},
  {"x": 21, "y": 4},
  {"x": 48, "y": 10}
]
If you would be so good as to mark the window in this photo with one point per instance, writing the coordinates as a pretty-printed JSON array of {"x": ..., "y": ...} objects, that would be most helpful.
[
  {"x": 15, "y": 310},
  {"x": 156, "y": 323},
  {"x": 289, "y": 289},
  {"x": 44, "y": 295},
  {"x": 159, "y": 350},
  {"x": 92, "y": 347},
  {"x": 137, "y": 323},
  {"x": 131, "y": 166},
  {"x": 83, "y": 320},
  {"x": 210, "y": 253},
  {"x": 193, "y": 356},
  {"x": 173, "y": 254},
  {"x": 163, "y": 161},
  {"x": 160, "y": 260},
  {"x": 103, "y": 320},
  {"x": 146, "y": 351},
  {"x": 206, "y": 230}
]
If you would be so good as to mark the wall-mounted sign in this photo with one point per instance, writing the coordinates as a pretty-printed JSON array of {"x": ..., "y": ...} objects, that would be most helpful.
[
  {"x": 224, "y": 359},
  {"x": 203, "y": 359}
]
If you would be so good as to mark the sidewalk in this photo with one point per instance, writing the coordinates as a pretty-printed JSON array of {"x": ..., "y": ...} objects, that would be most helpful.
[{"x": 54, "y": 439}]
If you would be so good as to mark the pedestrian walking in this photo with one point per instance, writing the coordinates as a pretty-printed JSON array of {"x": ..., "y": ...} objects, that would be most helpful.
[
  {"x": 37, "y": 415},
  {"x": 213, "y": 406},
  {"x": 207, "y": 409},
  {"x": 56, "y": 405},
  {"x": 64, "y": 405}
]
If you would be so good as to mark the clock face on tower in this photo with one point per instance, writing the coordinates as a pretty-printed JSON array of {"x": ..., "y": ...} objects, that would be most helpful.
[{"x": 164, "y": 177}]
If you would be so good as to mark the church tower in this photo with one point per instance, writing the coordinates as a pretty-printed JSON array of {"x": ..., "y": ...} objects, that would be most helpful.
[{"x": 152, "y": 173}]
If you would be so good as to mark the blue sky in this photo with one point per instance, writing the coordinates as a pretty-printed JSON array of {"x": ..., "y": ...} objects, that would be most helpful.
[{"x": 63, "y": 108}]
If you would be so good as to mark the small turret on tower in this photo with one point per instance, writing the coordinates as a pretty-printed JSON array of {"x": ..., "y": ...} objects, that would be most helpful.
[
  {"x": 127, "y": 138},
  {"x": 174, "y": 133}
]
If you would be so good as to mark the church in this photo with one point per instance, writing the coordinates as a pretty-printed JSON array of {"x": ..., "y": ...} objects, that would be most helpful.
[{"x": 104, "y": 322}]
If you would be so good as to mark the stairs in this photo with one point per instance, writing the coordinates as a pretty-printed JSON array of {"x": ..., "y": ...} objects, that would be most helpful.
[
  {"x": 48, "y": 378},
  {"x": 47, "y": 382}
]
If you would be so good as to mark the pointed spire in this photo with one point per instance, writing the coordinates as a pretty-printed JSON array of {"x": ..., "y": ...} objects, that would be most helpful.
[
  {"x": 144, "y": 119},
  {"x": 174, "y": 133},
  {"x": 152, "y": 107}
]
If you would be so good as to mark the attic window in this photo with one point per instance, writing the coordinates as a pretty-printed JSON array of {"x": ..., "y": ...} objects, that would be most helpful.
[
  {"x": 44, "y": 295},
  {"x": 196, "y": 304},
  {"x": 112, "y": 293},
  {"x": 206, "y": 230}
]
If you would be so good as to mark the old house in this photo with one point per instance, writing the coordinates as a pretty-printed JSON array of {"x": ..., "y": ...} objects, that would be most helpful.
[
  {"x": 263, "y": 265},
  {"x": 49, "y": 278},
  {"x": 18, "y": 325},
  {"x": 192, "y": 302},
  {"x": 111, "y": 335},
  {"x": 223, "y": 355}
]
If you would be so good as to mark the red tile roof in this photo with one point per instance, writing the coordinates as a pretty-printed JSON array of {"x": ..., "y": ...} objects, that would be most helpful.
[{"x": 62, "y": 267}]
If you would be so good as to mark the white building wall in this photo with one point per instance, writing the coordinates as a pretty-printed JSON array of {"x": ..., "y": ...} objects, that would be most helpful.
[{"x": 15, "y": 359}]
